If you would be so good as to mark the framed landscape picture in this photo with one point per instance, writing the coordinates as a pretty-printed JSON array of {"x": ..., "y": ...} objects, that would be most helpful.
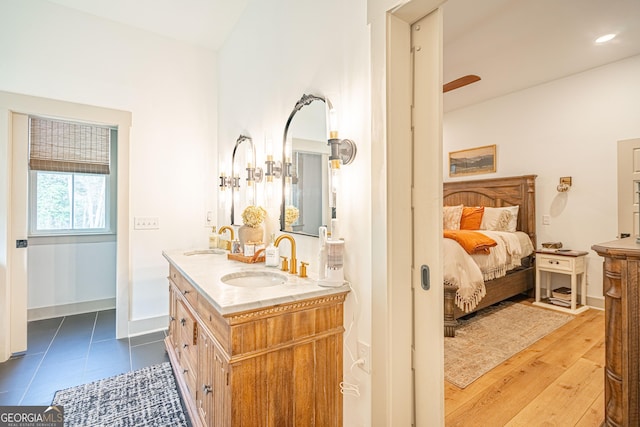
[{"x": 472, "y": 161}]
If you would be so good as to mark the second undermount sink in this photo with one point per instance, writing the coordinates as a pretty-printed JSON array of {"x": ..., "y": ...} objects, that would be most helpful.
[
  {"x": 254, "y": 279},
  {"x": 206, "y": 252}
]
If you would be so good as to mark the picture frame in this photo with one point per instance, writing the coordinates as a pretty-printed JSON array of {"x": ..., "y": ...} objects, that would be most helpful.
[{"x": 472, "y": 161}]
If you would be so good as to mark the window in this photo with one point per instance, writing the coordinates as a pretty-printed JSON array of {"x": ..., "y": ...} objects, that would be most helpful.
[
  {"x": 70, "y": 202},
  {"x": 70, "y": 178}
]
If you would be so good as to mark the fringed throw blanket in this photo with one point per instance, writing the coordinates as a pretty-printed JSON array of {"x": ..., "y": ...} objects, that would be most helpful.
[
  {"x": 505, "y": 256},
  {"x": 469, "y": 272},
  {"x": 461, "y": 271}
]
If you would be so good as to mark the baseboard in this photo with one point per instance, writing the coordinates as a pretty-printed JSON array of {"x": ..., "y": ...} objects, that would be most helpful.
[
  {"x": 148, "y": 325},
  {"x": 595, "y": 302},
  {"x": 70, "y": 309}
]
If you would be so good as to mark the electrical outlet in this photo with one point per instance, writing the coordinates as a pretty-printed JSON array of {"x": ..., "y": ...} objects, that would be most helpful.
[
  {"x": 364, "y": 353},
  {"x": 546, "y": 220},
  {"x": 146, "y": 223}
]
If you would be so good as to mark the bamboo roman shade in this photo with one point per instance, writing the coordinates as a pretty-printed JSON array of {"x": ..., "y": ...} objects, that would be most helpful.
[{"x": 62, "y": 146}]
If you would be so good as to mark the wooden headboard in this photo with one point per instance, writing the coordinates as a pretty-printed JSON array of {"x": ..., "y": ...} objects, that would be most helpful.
[{"x": 497, "y": 192}]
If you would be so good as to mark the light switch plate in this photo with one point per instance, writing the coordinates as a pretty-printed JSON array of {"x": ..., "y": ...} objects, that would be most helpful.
[{"x": 146, "y": 223}]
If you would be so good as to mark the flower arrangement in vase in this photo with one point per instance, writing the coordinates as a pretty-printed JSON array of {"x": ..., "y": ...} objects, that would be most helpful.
[
  {"x": 252, "y": 218},
  {"x": 291, "y": 214}
]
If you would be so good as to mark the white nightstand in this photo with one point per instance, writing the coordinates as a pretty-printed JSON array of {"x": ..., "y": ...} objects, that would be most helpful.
[{"x": 562, "y": 262}]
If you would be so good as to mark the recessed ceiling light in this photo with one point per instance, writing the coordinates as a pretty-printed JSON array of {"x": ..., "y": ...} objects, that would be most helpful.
[{"x": 605, "y": 38}]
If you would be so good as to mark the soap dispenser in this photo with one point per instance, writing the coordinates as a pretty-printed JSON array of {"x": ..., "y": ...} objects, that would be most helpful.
[
  {"x": 272, "y": 253},
  {"x": 213, "y": 238}
]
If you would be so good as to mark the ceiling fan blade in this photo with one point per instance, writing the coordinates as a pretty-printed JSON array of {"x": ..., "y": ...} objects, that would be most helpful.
[{"x": 458, "y": 83}]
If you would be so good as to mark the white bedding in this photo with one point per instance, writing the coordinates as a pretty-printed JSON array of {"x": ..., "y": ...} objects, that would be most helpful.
[{"x": 469, "y": 272}]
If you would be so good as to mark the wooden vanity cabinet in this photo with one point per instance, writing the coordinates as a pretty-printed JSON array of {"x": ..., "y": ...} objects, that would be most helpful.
[{"x": 278, "y": 365}]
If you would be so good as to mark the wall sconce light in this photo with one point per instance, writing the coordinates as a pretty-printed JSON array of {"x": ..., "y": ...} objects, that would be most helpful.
[
  {"x": 228, "y": 182},
  {"x": 254, "y": 174},
  {"x": 343, "y": 151},
  {"x": 273, "y": 169},
  {"x": 565, "y": 184},
  {"x": 225, "y": 181}
]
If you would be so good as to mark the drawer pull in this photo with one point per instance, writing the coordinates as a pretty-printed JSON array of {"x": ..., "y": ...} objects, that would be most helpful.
[
  {"x": 554, "y": 262},
  {"x": 206, "y": 389},
  {"x": 184, "y": 371}
]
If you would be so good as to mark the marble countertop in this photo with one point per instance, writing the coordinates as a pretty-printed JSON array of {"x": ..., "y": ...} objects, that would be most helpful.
[{"x": 205, "y": 270}]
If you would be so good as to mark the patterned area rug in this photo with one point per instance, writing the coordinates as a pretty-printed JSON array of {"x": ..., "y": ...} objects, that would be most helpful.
[
  {"x": 494, "y": 335},
  {"x": 147, "y": 397}
]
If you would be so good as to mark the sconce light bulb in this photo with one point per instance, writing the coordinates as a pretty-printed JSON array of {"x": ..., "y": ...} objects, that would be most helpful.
[
  {"x": 269, "y": 192},
  {"x": 333, "y": 123},
  {"x": 268, "y": 145},
  {"x": 335, "y": 175}
]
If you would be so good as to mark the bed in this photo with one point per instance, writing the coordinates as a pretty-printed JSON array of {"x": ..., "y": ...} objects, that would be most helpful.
[{"x": 495, "y": 192}]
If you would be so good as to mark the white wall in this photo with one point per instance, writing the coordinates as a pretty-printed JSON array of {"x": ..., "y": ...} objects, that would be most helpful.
[
  {"x": 569, "y": 127},
  {"x": 280, "y": 50},
  {"x": 64, "y": 273},
  {"x": 169, "y": 87}
]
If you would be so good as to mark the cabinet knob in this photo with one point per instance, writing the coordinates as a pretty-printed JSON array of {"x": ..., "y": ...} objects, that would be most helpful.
[
  {"x": 184, "y": 371},
  {"x": 206, "y": 389},
  {"x": 183, "y": 321},
  {"x": 186, "y": 291},
  {"x": 185, "y": 345}
]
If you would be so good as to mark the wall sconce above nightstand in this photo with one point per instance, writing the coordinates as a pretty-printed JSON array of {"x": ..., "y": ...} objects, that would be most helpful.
[{"x": 565, "y": 184}]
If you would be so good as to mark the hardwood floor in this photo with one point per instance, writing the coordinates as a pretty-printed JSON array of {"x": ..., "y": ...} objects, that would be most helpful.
[{"x": 558, "y": 381}]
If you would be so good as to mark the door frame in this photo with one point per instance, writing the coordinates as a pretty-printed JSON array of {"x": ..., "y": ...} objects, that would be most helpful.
[
  {"x": 626, "y": 192},
  {"x": 392, "y": 326},
  {"x": 13, "y": 318}
]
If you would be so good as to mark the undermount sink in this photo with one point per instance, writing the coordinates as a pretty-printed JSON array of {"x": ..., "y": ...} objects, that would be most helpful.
[
  {"x": 206, "y": 252},
  {"x": 254, "y": 279}
]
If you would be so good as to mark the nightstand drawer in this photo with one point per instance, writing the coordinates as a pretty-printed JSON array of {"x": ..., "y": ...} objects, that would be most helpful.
[{"x": 555, "y": 263}]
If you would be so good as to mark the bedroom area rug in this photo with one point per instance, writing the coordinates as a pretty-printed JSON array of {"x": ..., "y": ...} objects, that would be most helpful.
[
  {"x": 494, "y": 335},
  {"x": 146, "y": 397}
]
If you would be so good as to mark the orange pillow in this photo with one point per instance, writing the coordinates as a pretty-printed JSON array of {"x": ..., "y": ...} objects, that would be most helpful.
[{"x": 471, "y": 218}]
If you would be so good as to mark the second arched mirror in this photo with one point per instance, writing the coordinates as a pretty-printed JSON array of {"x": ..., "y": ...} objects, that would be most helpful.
[
  {"x": 305, "y": 193},
  {"x": 243, "y": 190}
]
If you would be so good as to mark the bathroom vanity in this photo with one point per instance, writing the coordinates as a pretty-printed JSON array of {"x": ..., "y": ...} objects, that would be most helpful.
[{"x": 254, "y": 346}]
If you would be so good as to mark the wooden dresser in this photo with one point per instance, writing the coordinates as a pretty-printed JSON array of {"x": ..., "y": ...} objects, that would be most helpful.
[
  {"x": 278, "y": 365},
  {"x": 622, "y": 331}
]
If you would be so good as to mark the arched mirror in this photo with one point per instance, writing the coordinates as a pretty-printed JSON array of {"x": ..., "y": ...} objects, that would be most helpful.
[
  {"x": 243, "y": 188},
  {"x": 305, "y": 193}
]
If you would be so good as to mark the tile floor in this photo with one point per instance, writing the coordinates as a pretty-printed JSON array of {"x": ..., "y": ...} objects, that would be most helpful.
[{"x": 72, "y": 350}]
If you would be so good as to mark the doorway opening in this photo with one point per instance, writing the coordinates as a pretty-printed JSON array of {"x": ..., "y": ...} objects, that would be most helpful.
[{"x": 18, "y": 108}]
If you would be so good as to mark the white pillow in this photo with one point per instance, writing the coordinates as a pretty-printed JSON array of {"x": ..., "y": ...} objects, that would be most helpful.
[
  {"x": 494, "y": 219},
  {"x": 451, "y": 217}
]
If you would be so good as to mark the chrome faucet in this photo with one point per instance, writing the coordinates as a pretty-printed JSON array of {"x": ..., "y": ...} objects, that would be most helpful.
[{"x": 293, "y": 269}]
